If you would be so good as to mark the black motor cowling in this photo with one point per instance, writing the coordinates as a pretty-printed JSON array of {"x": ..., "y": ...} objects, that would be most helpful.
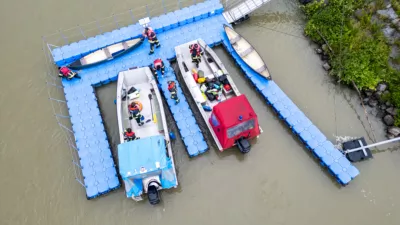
[
  {"x": 152, "y": 192},
  {"x": 243, "y": 145}
]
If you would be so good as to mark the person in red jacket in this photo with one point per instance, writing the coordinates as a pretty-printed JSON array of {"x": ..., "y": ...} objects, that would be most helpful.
[
  {"x": 129, "y": 135},
  {"x": 67, "y": 73},
  {"x": 172, "y": 89},
  {"x": 152, "y": 38},
  {"x": 196, "y": 48},
  {"x": 158, "y": 65},
  {"x": 134, "y": 112},
  {"x": 196, "y": 52}
]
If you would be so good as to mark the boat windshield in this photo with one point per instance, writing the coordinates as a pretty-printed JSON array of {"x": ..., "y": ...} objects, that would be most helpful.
[{"x": 241, "y": 127}]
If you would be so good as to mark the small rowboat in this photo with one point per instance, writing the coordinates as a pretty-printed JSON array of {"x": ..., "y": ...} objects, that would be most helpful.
[
  {"x": 246, "y": 51},
  {"x": 105, "y": 54}
]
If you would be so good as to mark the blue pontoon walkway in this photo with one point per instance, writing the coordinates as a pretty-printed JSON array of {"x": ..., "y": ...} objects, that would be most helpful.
[
  {"x": 205, "y": 21},
  {"x": 338, "y": 165},
  {"x": 98, "y": 167}
]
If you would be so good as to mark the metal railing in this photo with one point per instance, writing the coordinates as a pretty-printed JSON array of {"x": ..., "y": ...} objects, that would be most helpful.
[
  {"x": 62, "y": 37},
  {"x": 59, "y": 105},
  {"x": 240, "y": 9}
]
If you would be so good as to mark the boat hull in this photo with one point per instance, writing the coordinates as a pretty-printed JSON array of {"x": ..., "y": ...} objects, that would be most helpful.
[
  {"x": 247, "y": 53},
  {"x": 158, "y": 165},
  {"x": 106, "y": 54},
  {"x": 211, "y": 69}
]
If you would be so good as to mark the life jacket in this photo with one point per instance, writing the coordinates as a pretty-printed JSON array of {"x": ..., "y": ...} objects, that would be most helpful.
[
  {"x": 64, "y": 70},
  {"x": 195, "y": 47},
  {"x": 158, "y": 62},
  {"x": 194, "y": 53},
  {"x": 134, "y": 107},
  {"x": 131, "y": 134},
  {"x": 150, "y": 34},
  {"x": 171, "y": 86}
]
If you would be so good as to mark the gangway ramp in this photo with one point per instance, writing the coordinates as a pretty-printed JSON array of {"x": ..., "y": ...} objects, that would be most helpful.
[{"x": 239, "y": 10}]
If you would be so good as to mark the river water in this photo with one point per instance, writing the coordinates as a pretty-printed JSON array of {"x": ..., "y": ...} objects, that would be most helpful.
[{"x": 279, "y": 182}]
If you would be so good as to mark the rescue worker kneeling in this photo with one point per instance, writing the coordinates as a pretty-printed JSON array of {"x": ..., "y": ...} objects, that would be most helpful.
[
  {"x": 135, "y": 113},
  {"x": 158, "y": 65},
  {"x": 67, "y": 73},
  {"x": 129, "y": 135},
  {"x": 196, "y": 52},
  {"x": 152, "y": 38},
  {"x": 173, "y": 91}
]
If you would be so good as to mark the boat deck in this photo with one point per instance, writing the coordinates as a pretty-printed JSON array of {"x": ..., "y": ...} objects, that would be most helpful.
[
  {"x": 148, "y": 128},
  {"x": 210, "y": 70},
  {"x": 173, "y": 29}
]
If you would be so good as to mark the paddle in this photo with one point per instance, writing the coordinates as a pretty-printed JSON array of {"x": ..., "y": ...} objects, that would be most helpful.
[{"x": 151, "y": 106}]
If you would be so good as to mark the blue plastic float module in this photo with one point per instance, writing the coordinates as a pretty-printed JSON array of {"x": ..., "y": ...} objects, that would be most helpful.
[
  {"x": 69, "y": 53},
  {"x": 188, "y": 128},
  {"x": 338, "y": 165},
  {"x": 95, "y": 155},
  {"x": 97, "y": 164},
  {"x": 108, "y": 72}
]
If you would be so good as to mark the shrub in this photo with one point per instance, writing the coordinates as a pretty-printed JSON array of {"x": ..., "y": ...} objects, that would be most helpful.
[
  {"x": 360, "y": 52},
  {"x": 396, "y": 6},
  {"x": 311, "y": 8}
]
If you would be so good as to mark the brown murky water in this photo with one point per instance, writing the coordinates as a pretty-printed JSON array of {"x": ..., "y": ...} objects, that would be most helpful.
[{"x": 277, "y": 183}]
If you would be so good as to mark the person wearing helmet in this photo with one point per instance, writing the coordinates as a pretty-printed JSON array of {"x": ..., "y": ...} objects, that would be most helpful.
[
  {"x": 129, "y": 135},
  {"x": 197, "y": 48},
  {"x": 173, "y": 91},
  {"x": 196, "y": 52},
  {"x": 152, "y": 38},
  {"x": 135, "y": 113},
  {"x": 158, "y": 65},
  {"x": 67, "y": 73}
]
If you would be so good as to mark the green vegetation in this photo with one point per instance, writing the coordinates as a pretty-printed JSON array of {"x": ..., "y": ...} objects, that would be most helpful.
[
  {"x": 396, "y": 6},
  {"x": 360, "y": 50}
]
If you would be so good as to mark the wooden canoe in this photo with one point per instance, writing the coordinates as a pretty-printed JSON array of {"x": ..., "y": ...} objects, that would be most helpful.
[
  {"x": 106, "y": 54},
  {"x": 246, "y": 51}
]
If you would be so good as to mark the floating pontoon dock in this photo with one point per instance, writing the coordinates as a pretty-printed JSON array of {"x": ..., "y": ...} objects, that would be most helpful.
[
  {"x": 205, "y": 21},
  {"x": 338, "y": 165}
]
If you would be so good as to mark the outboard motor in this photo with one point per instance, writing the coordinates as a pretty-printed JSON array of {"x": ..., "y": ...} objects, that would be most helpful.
[
  {"x": 243, "y": 145},
  {"x": 152, "y": 192}
]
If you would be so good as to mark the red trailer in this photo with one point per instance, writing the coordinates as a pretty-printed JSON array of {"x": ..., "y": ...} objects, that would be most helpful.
[{"x": 235, "y": 122}]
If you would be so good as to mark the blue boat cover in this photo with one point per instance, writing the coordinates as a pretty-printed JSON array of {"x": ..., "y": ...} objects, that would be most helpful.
[{"x": 141, "y": 157}]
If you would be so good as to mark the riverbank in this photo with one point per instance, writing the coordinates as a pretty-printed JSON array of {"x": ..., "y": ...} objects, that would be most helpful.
[{"x": 360, "y": 46}]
